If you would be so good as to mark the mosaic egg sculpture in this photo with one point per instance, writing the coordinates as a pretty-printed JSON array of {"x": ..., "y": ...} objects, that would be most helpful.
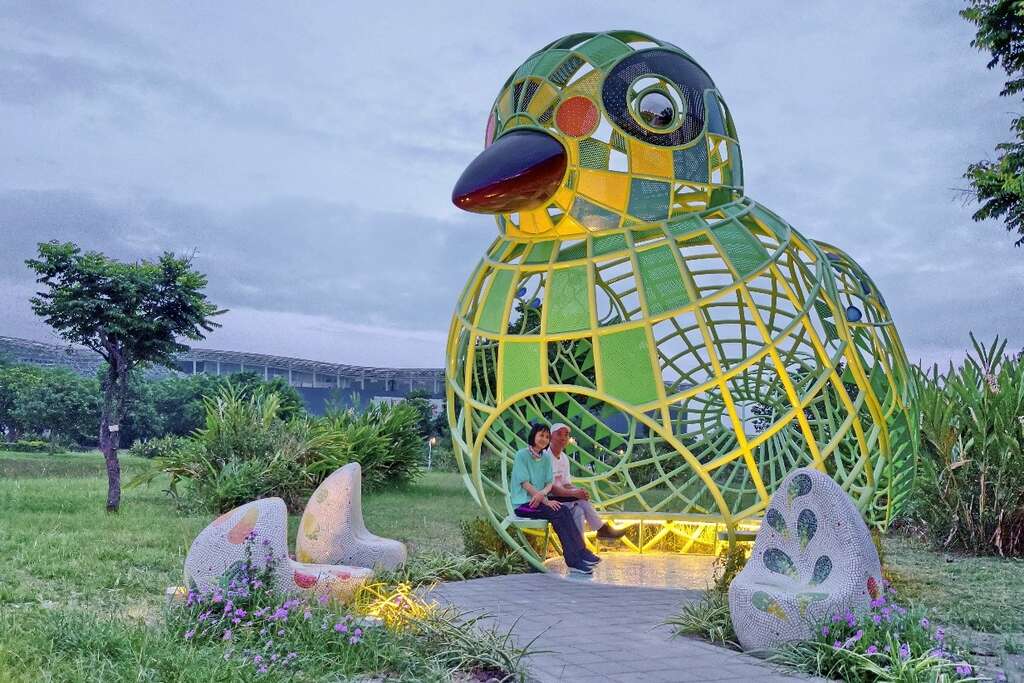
[
  {"x": 813, "y": 557},
  {"x": 701, "y": 347},
  {"x": 332, "y": 530},
  {"x": 218, "y": 555}
]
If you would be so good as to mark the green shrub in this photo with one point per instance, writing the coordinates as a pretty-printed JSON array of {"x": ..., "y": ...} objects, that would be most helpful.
[
  {"x": 480, "y": 538},
  {"x": 708, "y": 618},
  {"x": 971, "y": 477},
  {"x": 159, "y": 447},
  {"x": 430, "y": 568},
  {"x": 383, "y": 439},
  {"x": 27, "y": 446}
]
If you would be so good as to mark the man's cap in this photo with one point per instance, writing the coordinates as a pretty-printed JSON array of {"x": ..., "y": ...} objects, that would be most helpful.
[{"x": 560, "y": 425}]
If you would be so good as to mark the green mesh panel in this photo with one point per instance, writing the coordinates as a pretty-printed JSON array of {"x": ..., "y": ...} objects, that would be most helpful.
[
  {"x": 541, "y": 252},
  {"x": 492, "y": 318},
  {"x": 563, "y": 73},
  {"x": 686, "y": 224},
  {"x": 606, "y": 244},
  {"x": 720, "y": 196},
  {"x": 714, "y": 114},
  {"x": 543, "y": 64},
  {"x": 594, "y": 154},
  {"x": 780, "y": 228},
  {"x": 737, "y": 164},
  {"x": 618, "y": 141},
  {"x": 520, "y": 365},
  {"x": 601, "y": 49},
  {"x": 744, "y": 250},
  {"x": 649, "y": 199},
  {"x": 692, "y": 163},
  {"x": 572, "y": 253},
  {"x": 663, "y": 284},
  {"x": 568, "y": 304},
  {"x": 626, "y": 371}
]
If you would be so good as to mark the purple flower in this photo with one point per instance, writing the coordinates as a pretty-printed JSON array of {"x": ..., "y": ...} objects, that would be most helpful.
[
  {"x": 940, "y": 633},
  {"x": 878, "y": 602},
  {"x": 340, "y": 628},
  {"x": 353, "y": 640},
  {"x": 824, "y": 630},
  {"x": 963, "y": 668},
  {"x": 358, "y": 632},
  {"x": 905, "y": 651},
  {"x": 236, "y": 621},
  {"x": 217, "y": 597},
  {"x": 279, "y": 614},
  {"x": 240, "y": 612},
  {"x": 900, "y": 610},
  {"x": 257, "y": 584},
  {"x": 837, "y": 645},
  {"x": 851, "y": 621},
  {"x": 257, "y": 659},
  {"x": 227, "y": 634},
  {"x": 1000, "y": 676},
  {"x": 887, "y": 613},
  {"x": 307, "y": 614},
  {"x": 837, "y": 617},
  {"x": 924, "y": 622},
  {"x": 872, "y": 649},
  {"x": 262, "y": 669},
  {"x": 273, "y": 657},
  {"x": 322, "y": 599},
  {"x": 292, "y": 655},
  {"x": 876, "y": 618}
]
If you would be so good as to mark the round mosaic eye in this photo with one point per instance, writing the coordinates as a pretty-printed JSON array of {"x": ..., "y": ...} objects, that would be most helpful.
[
  {"x": 577, "y": 116},
  {"x": 656, "y": 109},
  {"x": 853, "y": 314}
]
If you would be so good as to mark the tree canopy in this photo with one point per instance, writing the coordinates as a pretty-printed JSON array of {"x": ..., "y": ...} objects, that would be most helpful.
[
  {"x": 998, "y": 185},
  {"x": 129, "y": 313}
]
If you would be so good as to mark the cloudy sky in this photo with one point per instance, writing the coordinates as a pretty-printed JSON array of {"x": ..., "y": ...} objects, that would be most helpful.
[{"x": 306, "y": 154}]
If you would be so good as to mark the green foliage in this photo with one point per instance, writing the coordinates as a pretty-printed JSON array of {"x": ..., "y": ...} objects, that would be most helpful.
[
  {"x": 128, "y": 313},
  {"x": 28, "y": 446},
  {"x": 57, "y": 401},
  {"x": 886, "y": 643},
  {"x": 247, "y": 450},
  {"x": 160, "y": 447},
  {"x": 971, "y": 477},
  {"x": 480, "y": 538},
  {"x": 384, "y": 439},
  {"x": 708, "y": 618},
  {"x": 999, "y": 185},
  {"x": 433, "y": 567}
]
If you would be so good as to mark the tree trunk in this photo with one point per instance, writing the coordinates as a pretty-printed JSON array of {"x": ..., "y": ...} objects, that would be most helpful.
[{"x": 115, "y": 386}]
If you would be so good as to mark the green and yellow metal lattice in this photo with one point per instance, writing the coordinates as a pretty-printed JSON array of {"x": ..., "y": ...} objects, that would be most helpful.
[{"x": 701, "y": 346}]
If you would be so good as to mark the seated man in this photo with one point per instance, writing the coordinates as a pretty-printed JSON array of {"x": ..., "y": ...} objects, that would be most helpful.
[{"x": 574, "y": 497}]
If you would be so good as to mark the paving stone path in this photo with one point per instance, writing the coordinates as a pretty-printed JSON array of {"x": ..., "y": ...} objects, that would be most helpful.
[{"x": 599, "y": 632}]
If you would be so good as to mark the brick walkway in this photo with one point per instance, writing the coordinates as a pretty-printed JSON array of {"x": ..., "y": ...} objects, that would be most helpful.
[{"x": 596, "y": 632}]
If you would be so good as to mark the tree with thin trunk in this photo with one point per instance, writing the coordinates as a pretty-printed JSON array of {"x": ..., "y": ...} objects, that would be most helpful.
[{"x": 129, "y": 313}]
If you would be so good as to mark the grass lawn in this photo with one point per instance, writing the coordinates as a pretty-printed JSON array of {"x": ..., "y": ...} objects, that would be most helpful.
[
  {"x": 81, "y": 590},
  {"x": 981, "y": 599}
]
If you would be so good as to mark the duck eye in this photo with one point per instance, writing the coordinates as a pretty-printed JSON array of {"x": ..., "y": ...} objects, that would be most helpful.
[{"x": 656, "y": 109}]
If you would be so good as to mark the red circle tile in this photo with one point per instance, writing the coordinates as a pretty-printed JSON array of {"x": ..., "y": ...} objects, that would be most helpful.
[{"x": 577, "y": 116}]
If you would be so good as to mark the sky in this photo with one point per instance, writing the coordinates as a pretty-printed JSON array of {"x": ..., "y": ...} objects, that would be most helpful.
[{"x": 304, "y": 153}]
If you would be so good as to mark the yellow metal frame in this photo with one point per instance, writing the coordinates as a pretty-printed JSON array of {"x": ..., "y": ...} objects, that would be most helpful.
[{"x": 702, "y": 352}]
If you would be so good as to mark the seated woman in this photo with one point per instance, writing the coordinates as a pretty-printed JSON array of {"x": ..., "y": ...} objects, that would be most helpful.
[{"x": 530, "y": 484}]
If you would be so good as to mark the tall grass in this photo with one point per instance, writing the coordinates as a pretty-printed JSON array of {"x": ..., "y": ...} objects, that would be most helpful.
[{"x": 971, "y": 475}]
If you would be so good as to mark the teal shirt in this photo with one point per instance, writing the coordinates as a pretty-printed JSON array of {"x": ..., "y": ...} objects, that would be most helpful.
[{"x": 525, "y": 467}]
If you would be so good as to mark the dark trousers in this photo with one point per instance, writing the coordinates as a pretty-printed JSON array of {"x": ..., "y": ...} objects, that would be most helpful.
[{"x": 565, "y": 526}]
